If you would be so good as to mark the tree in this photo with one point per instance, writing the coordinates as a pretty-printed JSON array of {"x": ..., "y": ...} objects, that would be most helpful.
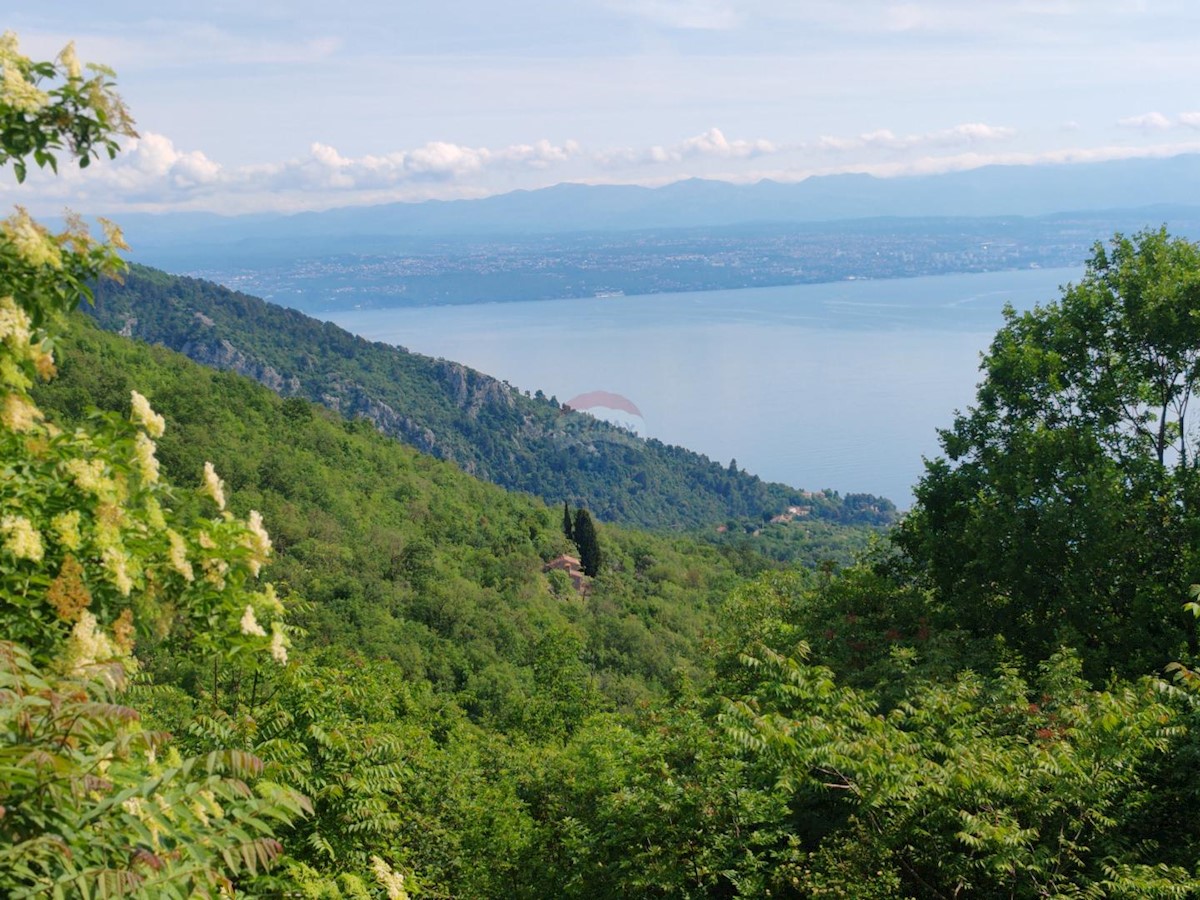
[
  {"x": 1065, "y": 509},
  {"x": 568, "y": 527},
  {"x": 588, "y": 543},
  {"x": 93, "y": 557}
]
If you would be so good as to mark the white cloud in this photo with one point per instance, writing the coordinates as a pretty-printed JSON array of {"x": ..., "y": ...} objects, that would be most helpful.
[
  {"x": 151, "y": 169},
  {"x": 154, "y": 174},
  {"x": 972, "y": 132},
  {"x": 932, "y": 165},
  {"x": 1151, "y": 121},
  {"x": 712, "y": 144},
  {"x": 885, "y": 139}
]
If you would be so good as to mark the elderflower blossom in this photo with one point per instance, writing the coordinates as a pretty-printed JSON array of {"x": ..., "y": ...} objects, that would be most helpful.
[
  {"x": 9, "y": 48},
  {"x": 278, "y": 644},
  {"x": 249, "y": 623},
  {"x": 14, "y": 324},
  {"x": 66, "y": 529},
  {"x": 89, "y": 476},
  {"x": 143, "y": 415},
  {"x": 113, "y": 234},
  {"x": 116, "y": 562},
  {"x": 33, "y": 244},
  {"x": 178, "y": 556},
  {"x": 213, "y": 486},
  {"x": 18, "y": 414},
  {"x": 22, "y": 540},
  {"x": 257, "y": 541},
  {"x": 69, "y": 61},
  {"x": 87, "y": 645},
  {"x": 144, "y": 447},
  {"x": 19, "y": 93},
  {"x": 109, "y": 517},
  {"x": 391, "y": 882}
]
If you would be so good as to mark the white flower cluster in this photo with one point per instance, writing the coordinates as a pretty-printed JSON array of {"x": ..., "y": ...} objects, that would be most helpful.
[
  {"x": 267, "y": 601},
  {"x": 70, "y": 62},
  {"x": 17, "y": 412},
  {"x": 178, "y": 556},
  {"x": 19, "y": 93},
  {"x": 146, "y": 460},
  {"x": 21, "y": 539},
  {"x": 392, "y": 882},
  {"x": 143, "y": 415},
  {"x": 213, "y": 486},
  {"x": 257, "y": 541},
  {"x": 250, "y": 624},
  {"x": 34, "y": 244},
  {"x": 278, "y": 644},
  {"x": 88, "y": 646}
]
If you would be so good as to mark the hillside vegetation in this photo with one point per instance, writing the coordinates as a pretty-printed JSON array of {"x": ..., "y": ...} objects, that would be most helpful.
[
  {"x": 444, "y": 408},
  {"x": 404, "y": 557}
]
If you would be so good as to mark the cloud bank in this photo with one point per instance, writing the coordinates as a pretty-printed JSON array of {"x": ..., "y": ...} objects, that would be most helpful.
[{"x": 154, "y": 174}]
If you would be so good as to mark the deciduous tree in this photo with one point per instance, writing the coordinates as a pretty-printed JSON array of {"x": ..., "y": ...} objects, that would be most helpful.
[{"x": 1064, "y": 510}]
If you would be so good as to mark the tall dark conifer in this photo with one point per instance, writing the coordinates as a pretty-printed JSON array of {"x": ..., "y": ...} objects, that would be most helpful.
[
  {"x": 587, "y": 542},
  {"x": 568, "y": 528}
]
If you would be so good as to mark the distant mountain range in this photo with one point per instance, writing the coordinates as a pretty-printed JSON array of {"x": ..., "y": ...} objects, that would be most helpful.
[{"x": 1032, "y": 190}]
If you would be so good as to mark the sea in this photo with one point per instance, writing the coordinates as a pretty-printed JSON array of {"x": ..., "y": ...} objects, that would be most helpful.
[{"x": 838, "y": 386}]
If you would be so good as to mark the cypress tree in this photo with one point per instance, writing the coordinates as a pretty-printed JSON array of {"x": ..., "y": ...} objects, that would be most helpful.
[
  {"x": 568, "y": 528},
  {"x": 587, "y": 542}
]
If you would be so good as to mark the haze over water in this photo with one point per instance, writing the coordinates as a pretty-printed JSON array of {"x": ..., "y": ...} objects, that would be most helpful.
[{"x": 818, "y": 386}]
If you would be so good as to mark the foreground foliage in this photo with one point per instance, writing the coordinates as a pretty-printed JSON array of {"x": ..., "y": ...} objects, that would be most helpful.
[{"x": 94, "y": 556}]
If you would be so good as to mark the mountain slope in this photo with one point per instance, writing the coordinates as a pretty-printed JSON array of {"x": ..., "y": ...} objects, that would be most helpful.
[
  {"x": 453, "y": 412},
  {"x": 400, "y": 556}
]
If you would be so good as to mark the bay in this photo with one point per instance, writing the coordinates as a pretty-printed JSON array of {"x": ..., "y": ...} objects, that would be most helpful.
[{"x": 839, "y": 386}]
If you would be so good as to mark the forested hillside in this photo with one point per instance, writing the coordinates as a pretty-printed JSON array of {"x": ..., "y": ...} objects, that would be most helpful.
[
  {"x": 404, "y": 557},
  {"x": 456, "y": 413}
]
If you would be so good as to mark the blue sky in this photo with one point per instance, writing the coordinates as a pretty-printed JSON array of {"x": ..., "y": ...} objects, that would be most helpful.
[{"x": 264, "y": 104}]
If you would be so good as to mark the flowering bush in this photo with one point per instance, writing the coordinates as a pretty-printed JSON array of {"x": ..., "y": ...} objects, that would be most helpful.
[{"x": 93, "y": 556}]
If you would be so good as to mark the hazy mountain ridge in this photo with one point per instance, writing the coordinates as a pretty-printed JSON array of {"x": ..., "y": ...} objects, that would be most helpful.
[
  {"x": 1014, "y": 190},
  {"x": 574, "y": 240}
]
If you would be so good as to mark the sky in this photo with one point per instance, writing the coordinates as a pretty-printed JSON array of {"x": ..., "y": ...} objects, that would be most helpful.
[{"x": 266, "y": 105}]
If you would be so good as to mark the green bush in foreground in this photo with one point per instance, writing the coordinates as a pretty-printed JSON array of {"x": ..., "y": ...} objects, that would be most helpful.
[{"x": 92, "y": 558}]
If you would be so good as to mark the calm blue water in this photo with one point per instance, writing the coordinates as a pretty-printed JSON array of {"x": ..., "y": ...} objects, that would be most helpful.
[{"x": 819, "y": 386}]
